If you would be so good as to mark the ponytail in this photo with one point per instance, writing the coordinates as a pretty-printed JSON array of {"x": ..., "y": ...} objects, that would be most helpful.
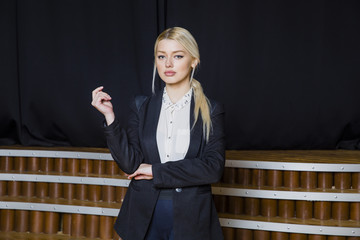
[{"x": 202, "y": 105}]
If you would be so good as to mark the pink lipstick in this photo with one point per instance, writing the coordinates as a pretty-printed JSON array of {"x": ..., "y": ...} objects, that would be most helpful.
[{"x": 170, "y": 73}]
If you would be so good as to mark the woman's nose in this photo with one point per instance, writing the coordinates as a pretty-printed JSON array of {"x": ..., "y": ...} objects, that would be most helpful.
[{"x": 168, "y": 63}]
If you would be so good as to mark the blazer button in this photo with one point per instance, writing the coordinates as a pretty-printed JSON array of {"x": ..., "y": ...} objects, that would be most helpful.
[{"x": 178, "y": 189}]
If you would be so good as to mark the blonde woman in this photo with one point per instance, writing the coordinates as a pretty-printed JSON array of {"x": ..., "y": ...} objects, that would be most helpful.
[{"x": 172, "y": 149}]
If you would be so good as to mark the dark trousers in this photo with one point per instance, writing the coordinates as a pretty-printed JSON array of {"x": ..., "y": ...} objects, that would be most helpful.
[{"x": 161, "y": 226}]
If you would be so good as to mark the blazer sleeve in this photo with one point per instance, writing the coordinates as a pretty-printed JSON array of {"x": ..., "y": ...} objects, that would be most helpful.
[
  {"x": 205, "y": 169},
  {"x": 124, "y": 143}
]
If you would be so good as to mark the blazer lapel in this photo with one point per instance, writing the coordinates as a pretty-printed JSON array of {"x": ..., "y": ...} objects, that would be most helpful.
[
  {"x": 150, "y": 126},
  {"x": 195, "y": 133}
]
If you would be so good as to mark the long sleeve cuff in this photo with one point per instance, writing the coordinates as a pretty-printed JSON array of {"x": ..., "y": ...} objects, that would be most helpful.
[{"x": 112, "y": 129}]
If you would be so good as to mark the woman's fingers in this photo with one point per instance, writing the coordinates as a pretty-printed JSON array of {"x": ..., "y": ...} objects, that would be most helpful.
[
  {"x": 143, "y": 177},
  {"x": 99, "y": 97},
  {"x": 130, "y": 176},
  {"x": 102, "y": 102},
  {"x": 136, "y": 174},
  {"x": 143, "y": 172},
  {"x": 140, "y": 177},
  {"x": 98, "y": 93},
  {"x": 98, "y": 89}
]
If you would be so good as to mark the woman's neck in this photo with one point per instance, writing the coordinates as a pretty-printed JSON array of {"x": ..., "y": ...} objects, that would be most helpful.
[{"x": 176, "y": 92}]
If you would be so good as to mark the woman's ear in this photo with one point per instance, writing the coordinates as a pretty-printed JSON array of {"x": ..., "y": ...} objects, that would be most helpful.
[{"x": 194, "y": 63}]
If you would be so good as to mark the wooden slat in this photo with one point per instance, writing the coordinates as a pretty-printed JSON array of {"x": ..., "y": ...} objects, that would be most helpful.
[
  {"x": 330, "y": 190},
  {"x": 77, "y": 174},
  {"x": 73, "y": 149},
  {"x": 304, "y": 156},
  {"x": 312, "y": 221},
  {"x": 39, "y": 236},
  {"x": 61, "y": 201}
]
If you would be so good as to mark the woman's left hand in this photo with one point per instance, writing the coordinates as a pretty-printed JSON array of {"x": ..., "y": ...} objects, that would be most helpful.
[{"x": 144, "y": 172}]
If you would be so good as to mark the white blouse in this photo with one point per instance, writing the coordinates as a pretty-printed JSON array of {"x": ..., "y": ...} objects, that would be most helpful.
[{"x": 173, "y": 131}]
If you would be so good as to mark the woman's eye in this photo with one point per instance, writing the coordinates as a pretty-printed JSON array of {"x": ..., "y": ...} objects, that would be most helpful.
[
  {"x": 161, "y": 57},
  {"x": 179, "y": 56}
]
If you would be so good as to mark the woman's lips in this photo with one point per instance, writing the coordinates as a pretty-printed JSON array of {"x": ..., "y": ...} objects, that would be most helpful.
[{"x": 169, "y": 73}]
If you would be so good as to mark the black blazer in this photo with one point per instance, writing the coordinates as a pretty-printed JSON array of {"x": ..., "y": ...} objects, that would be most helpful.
[{"x": 195, "y": 216}]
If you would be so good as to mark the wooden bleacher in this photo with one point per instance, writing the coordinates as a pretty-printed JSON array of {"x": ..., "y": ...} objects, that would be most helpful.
[{"x": 76, "y": 193}]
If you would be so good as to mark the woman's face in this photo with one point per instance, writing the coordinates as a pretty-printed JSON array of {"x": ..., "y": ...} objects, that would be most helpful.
[{"x": 173, "y": 63}]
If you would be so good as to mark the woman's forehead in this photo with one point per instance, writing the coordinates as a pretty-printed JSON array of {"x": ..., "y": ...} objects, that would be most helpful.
[{"x": 169, "y": 45}]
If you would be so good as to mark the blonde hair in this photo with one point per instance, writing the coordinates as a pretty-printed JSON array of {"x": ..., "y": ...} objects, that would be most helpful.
[{"x": 202, "y": 104}]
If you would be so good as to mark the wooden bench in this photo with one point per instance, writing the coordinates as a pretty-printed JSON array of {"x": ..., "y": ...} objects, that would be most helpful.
[{"x": 77, "y": 193}]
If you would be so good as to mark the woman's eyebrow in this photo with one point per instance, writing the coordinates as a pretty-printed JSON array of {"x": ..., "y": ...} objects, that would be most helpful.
[{"x": 172, "y": 52}]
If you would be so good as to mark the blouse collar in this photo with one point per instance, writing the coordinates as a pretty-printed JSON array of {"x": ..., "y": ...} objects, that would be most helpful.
[{"x": 185, "y": 100}]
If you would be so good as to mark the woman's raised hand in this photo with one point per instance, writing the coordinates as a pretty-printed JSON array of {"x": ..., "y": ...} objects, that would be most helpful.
[{"x": 101, "y": 101}]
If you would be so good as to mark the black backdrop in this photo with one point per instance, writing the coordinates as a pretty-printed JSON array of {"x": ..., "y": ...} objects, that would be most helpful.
[{"x": 287, "y": 71}]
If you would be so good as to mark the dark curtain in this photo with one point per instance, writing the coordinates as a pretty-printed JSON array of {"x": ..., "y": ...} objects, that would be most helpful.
[
  {"x": 286, "y": 71},
  {"x": 9, "y": 97},
  {"x": 61, "y": 51}
]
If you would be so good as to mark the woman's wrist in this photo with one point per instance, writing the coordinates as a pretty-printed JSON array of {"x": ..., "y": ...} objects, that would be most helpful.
[{"x": 109, "y": 118}]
